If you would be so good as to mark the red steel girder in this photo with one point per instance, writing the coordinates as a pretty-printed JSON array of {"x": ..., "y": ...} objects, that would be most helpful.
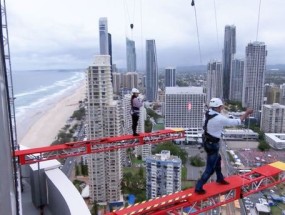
[
  {"x": 34, "y": 155},
  {"x": 216, "y": 195}
]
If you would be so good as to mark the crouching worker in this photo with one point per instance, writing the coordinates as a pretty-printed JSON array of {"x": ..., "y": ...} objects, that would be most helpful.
[
  {"x": 213, "y": 127},
  {"x": 136, "y": 104}
]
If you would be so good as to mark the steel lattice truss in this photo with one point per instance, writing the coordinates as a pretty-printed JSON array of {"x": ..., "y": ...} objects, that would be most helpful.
[
  {"x": 35, "y": 155},
  {"x": 240, "y": 185}
]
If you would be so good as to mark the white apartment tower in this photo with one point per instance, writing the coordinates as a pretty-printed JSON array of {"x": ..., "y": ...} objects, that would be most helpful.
[
  {"x": 131, "y": 80},
  {"x": 104, "y": 120},
  {"x": 254, "y": 73},
  {"x": 236, "y": 77},
  {"x": 273, "y": 118},
  {"x": 214, "y": 80},
  {"x": 184, "y": 107},
  {"x": 144, "y": 150},
  {"x": 163, "y": 174}
]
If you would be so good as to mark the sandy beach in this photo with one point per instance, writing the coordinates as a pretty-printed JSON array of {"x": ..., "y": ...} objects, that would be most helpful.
[{"x": 45, "y": 128}]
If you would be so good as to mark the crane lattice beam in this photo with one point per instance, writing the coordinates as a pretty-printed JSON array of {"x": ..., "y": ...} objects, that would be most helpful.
[
  {"x": 35, "y": 155},
  {"x": 240, "y": 185}
]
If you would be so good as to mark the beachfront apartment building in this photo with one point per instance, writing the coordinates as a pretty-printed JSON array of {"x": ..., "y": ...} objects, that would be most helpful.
[
  {"x": 184, "y": 107},
  {"x": 104, "y": 118},
  {"x": 144, "y": 150},
  {"x": 273, "y": 118},
  {"x": 163, "y": 174}
]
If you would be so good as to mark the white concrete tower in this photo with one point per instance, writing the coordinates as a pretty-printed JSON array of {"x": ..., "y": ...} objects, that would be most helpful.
[{"x": 104, "y": 120}]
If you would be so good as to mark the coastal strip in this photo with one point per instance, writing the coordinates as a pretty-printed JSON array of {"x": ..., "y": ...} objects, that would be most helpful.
[{"x": 44, "y": 130}]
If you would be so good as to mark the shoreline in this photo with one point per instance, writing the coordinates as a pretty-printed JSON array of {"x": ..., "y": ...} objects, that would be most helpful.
[{"x": 42, "y": 127}]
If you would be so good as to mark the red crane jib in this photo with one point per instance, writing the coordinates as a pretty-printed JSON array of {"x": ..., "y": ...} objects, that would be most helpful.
[
  {"x": 216, "y": 195},
  {"x": 29, "y": 156}
]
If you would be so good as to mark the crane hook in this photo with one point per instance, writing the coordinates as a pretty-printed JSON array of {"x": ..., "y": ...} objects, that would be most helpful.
[
  {"x": 192, "y": 3},
  {"x": 132, "y": 26}
]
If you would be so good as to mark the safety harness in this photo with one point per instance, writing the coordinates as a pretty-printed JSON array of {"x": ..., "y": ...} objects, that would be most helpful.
[{"x": 206, "y": 136}]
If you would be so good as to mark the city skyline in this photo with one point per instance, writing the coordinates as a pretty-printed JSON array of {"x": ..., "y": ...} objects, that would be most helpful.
[{"x": 41, "y": 41}]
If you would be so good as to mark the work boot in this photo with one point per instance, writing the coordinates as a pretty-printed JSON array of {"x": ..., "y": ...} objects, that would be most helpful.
[
  {"x": 223, "y": 182},
  {"x": 200, "y": 192}
]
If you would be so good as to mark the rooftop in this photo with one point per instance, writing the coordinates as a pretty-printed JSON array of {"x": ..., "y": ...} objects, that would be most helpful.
[{"x": 184, "y": 90}]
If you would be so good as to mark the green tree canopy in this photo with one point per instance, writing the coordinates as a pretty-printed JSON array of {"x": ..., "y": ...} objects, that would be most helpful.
[{"x": 174, "y": 150}]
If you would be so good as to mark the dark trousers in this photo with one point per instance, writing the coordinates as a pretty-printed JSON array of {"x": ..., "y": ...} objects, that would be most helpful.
[
  {"x": 213, "y": 165},
  {"x": 135, "y": 119}
]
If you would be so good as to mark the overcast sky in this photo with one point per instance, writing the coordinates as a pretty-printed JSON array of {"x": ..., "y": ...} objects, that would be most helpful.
[{"x": 51, "y": 34}]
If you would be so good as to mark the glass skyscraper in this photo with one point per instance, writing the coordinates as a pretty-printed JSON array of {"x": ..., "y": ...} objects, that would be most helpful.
[
  {"x": 131, "y": 56},
  {"x": 236, "y": 80},
  {"x": 151, "y": 71},
  {"x": 228, "y": 55},
  {"x": 103, "y": 36},
  {"x": 170, "y": 77}
]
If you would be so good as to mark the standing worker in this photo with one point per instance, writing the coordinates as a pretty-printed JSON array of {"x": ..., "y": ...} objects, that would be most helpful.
[
  {"x": 136, "y": 103},
  {"x": 214, "y": 124}
]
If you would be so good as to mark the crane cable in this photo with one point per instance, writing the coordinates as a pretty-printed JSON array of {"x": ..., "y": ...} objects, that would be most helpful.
[
  {"x": 142, "y": 48},
  {"x": 198, "y": 37},
  {"x": 257, "y": 29},
  {"x": 130, "y": 17},
  {"x": 215, "y": 9}
]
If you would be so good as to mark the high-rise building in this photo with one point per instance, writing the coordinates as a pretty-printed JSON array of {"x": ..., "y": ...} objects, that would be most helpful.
[
  {"x": 184, "y": 107},
  {"x": 214, "y": 80},
  {"x": 254, "y": 72},
  {"x": 237, "y": 70},
  {"x": 110, "y": 49},
  {"x": 131, "y": 56},
  {"x": 228, "y": 54},
  {"x": 151, "y": 71},
  {"x": 117, "y": 82},
  {"x": 163, "y": 174},
  {"x": 272, "y": 93},
  {"x": 103, "y": 36},
  {"x": 282, "y": 94},
  {"x": 273, "y": 118},
  {"x": 170, "y": 77},
  {"x": 104, "y": 118},
  {"x": 130, "y": 80}
]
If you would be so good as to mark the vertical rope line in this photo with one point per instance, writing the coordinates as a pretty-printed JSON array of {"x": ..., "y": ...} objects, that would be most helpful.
[
  {"x": 198, "y": 37},
  {"x": 258, "y": 18},
  {"x": 142, "y": 44},
  {"x": 216, "y": 25}
]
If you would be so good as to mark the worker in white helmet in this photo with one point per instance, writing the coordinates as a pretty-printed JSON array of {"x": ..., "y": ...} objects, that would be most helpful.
[
  {"x": 213, "y": 127},
  {"x": 136, "y": 104}
]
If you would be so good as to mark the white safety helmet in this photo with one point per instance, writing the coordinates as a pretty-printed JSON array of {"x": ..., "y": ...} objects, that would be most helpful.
[
  {"x": 215, "y": 102},
  {"x": 135, "y": 90}
]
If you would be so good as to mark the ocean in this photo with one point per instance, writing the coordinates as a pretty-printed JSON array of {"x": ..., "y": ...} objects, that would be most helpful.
[{"x": 36, "y": 91}]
